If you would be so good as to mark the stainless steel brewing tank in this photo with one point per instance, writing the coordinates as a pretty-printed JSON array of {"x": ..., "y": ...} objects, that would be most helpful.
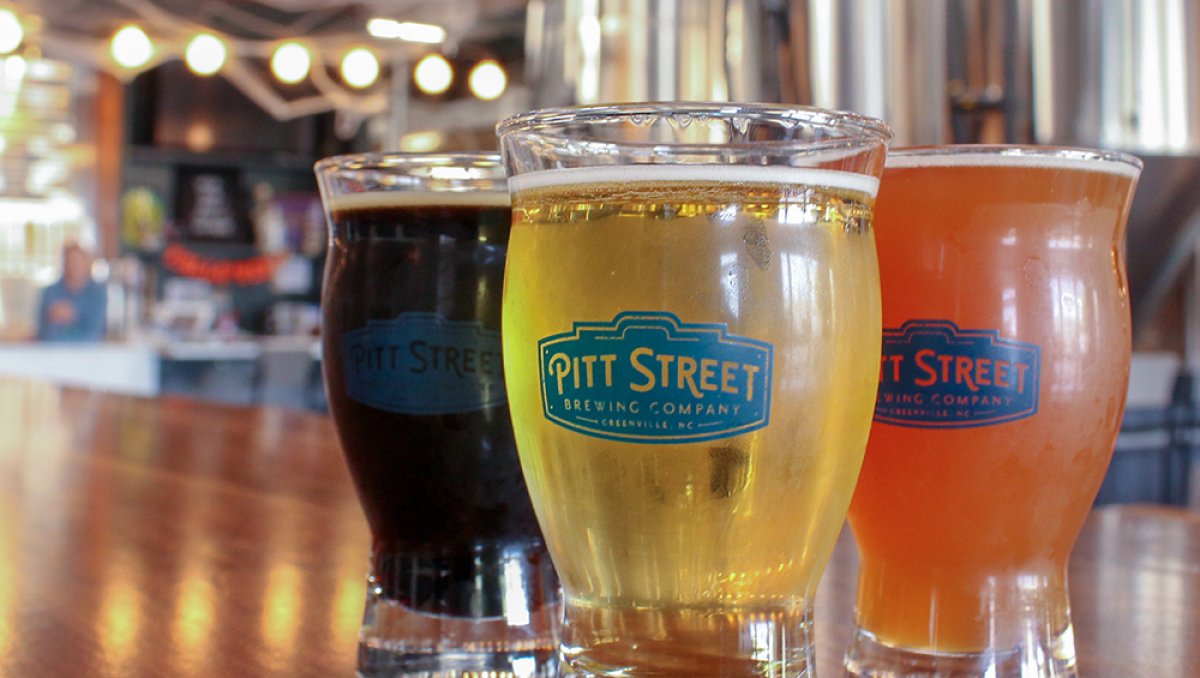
[
  {"x": 1117, "y": 74},
  {"x": 606, "y": 51},
  {"x": 885, "y": 58},
  {"x": 1125, "y": 74}
]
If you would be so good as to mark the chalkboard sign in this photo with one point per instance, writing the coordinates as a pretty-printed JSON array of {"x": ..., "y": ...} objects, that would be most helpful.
[{"x": 212, "y": 206}]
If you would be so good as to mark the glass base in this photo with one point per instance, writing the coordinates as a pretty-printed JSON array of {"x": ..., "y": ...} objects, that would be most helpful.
[
  {"x": 1055, "y": 658},
  {"x": 495, "y": 614},
  {"x": 375, "y": 663},
  {"x": 636, "y": 641}
]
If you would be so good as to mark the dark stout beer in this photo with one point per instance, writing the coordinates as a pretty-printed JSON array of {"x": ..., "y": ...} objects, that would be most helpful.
[{"x": 412, "y": 362}]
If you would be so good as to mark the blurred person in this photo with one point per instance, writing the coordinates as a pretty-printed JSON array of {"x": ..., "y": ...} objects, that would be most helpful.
[{"x": 74, "y": 308}]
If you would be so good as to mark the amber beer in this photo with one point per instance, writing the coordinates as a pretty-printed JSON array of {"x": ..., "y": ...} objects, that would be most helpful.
[
  {"x": 672, "y": 515},
  {"x": 1001, "y": 389},
  {"x": 460, "y": 579}
]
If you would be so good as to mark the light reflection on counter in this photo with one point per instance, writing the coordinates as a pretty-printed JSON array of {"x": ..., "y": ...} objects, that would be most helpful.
[
  {"x": 194, "y": 614},
  {"x": 281, "y": 611},
  {"x": 10, "y": 581},
  {"x": 121, "y": 619},
  {"x": 169, "y": 533},
  {"x": 348, "y": 606}
]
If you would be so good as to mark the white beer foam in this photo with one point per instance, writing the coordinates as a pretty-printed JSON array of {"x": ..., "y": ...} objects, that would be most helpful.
[
  {"x": 1033, "y": 159},
  {"x": 408, "y": 198},
  {"x": 726, "y": 174}
]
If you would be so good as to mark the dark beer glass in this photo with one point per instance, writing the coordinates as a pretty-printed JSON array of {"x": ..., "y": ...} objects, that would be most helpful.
[{"x": 459, "y": 579}]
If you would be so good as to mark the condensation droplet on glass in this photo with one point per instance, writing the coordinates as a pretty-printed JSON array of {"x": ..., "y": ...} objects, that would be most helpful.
[
  {"x": 726, "y": 216},
  {"x": 737, "y": 284},
  {"x": 758, "y": 245},
  {"x": 1033, "y": 271},
  {"x": 728, "y": 472}
]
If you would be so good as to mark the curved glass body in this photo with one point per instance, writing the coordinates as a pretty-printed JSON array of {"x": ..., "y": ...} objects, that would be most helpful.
[
  {"x": 460, "y": 580},
  {"x": 689, "y": 348},
  {"x": 1002, "y": 385}
]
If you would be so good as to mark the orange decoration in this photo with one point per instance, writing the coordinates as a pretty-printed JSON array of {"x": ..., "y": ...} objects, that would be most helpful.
[{"x": 242, "y": 272}]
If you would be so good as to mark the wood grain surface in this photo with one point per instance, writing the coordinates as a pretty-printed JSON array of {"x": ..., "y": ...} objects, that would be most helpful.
[{"x": 175, "y": 538}]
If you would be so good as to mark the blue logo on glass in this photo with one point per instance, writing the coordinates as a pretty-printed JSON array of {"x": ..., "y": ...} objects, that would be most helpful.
[
  {"x": 935, "y": 375},
  {"x": 421, "y": 363},
  {"x": 648, "y": 377}
]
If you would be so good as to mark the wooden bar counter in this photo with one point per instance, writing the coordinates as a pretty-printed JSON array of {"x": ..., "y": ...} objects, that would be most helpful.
[{"x": 169, "y": 537}]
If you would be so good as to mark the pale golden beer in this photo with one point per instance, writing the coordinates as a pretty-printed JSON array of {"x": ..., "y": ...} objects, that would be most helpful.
[{"x": 682, "y": 545}]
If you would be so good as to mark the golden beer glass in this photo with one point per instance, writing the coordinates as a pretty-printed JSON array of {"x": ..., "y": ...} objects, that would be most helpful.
[
  {"x": 1002, "y": 383},
  {"x": 691, "y": 330}
]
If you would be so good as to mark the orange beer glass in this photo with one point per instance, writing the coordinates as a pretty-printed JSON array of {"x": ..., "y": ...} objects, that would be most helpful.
[{"x": 1002, "y": 385}]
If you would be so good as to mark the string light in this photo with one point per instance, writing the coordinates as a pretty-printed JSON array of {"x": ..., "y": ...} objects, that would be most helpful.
[
  {"x": 291, "y": 62},
  {"x": 205, "y": 54},
  {"x": 487, "y": 80},
  {"x": 131, "y": 50},
  {"x": 11, "y": 32},
  {"x": 131, "y": 47},
  {"x": 409, "y": 31},
  {"x": 15, "y": 68},
  {"x": 433, "y": 74},
  {"x": 422, "y": 142},
  {"x": 360, "y": 68}
]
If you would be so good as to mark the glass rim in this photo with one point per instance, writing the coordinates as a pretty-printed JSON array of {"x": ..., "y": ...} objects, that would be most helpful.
[
  {"x": 1030, "y": 155},
  {"x": 394, "y": 159},
  {"x": 540, "y": 122}
]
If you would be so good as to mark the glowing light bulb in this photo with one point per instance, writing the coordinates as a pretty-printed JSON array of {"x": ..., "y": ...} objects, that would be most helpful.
[
  {"x": 422, "y": 142},
  {"x": 11, "y": 31},
  {"x": 360, "y": 68},
  {"x": 409, "y": 31},
  {"x": 433, "y": 74},
  {"x": 14, "y": 68},
  {"x": 487, "y": 80},
  {"x": 205, "y": 54},
  {"x": 131, "y": 47},
  {"x": 291, "y": 62}
]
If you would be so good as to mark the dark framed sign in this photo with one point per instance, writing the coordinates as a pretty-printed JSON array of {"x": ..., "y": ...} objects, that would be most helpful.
[{"x": 212, "y": 206}]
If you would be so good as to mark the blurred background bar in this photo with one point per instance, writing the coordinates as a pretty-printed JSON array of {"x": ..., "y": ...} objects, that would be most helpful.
[{"x": 174, "y": 139}]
